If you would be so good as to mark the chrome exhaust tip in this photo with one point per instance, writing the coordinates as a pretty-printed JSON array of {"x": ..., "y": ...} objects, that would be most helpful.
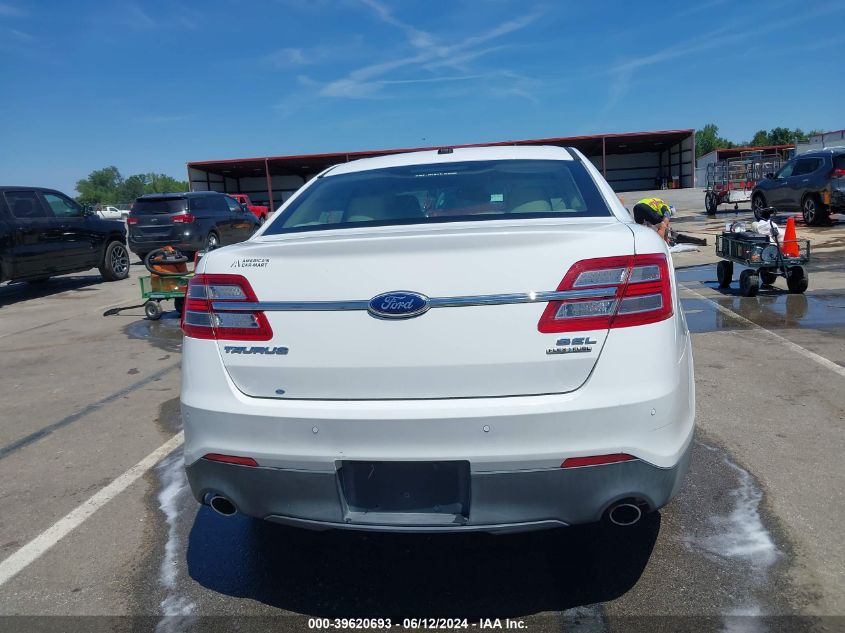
[
  {"x": 624, "y": 513},
  {"x": 222, "y": 506}
]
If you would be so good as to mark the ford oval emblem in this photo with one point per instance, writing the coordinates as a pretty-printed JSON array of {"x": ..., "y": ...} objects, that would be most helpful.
[{"x": 399, "y": 304}]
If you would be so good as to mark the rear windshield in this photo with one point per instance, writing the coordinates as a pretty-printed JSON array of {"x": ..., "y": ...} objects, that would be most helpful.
[
  {"x": 159, "y": 205},
  {"x": 423, "y": 194}
]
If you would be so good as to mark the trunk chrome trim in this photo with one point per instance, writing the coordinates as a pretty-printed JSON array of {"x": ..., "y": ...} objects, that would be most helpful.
[{"x": 436, "y": 302}]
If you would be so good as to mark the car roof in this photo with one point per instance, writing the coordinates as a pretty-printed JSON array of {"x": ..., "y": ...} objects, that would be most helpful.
[
  {"x": 19, "y": 187},
  {"x": 456, "y": 155},
  {"x": 180, "y": 194},
  {"x": 821, "y": 152}
]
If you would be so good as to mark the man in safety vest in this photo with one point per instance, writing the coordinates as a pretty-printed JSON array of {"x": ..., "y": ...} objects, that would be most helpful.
[{"x": 654, "y": 212}]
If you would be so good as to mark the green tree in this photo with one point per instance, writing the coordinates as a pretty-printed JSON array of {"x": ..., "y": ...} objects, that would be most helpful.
[
  {"x": 761, "y": 137},
  {"x": 781, "y": 136},
  {"x": 707, "y": 139},
  {"x": 100, "y": 186},
  {"x": 107, "y": 186},
  {"x": 132, "y": 187},
  {"x": 161, "y": 183}
]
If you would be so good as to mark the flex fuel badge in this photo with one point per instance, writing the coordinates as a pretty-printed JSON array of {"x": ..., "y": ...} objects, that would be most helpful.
[{"x": 578, "y": 345}]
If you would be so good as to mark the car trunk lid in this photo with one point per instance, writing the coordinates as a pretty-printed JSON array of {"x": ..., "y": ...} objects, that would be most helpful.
[{"x": 473, "y": 346}]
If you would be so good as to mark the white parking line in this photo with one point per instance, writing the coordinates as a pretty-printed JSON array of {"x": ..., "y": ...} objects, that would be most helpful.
[
  {"x": 38, "y": 546},
  {"x": 821, "y": 360}
]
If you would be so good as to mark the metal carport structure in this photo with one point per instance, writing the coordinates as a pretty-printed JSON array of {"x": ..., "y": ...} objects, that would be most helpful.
[{"x": 629, "y": 161}]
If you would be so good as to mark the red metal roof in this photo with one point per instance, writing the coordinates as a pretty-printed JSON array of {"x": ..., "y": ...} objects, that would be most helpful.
[
  {"x": 753, "y": 148},
  {"x": 359, "y": 154}
]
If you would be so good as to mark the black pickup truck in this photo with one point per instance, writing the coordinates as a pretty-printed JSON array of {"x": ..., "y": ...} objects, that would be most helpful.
[{"x": 44, "y": 233}]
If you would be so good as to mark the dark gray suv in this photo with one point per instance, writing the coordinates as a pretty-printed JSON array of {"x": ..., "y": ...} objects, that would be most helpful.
[
  {"x": 188, "y": 222},
  {"x": 812, "y": 182}
]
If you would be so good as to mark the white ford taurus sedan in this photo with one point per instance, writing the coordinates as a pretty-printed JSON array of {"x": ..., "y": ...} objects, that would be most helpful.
[{"x": 467, "y": 339}]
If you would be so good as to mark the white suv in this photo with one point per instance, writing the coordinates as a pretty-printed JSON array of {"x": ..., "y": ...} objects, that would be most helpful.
[{"x": 477, "y": 339}]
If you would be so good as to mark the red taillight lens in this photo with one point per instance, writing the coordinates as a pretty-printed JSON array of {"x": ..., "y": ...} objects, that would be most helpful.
[
  {"x": 184, "y": 218},
  {"x": 231, "y": 459},
  {"x": 205, "y": 314},
  {"x": 131, "y": 220},
  {"x": 596, "y": 460},
  {"x": 625, "y": 291},
  {"x": 837, "y": 173}
]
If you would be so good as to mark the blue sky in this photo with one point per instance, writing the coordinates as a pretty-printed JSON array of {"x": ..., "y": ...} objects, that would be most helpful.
[{"x": 147, "y": 85}]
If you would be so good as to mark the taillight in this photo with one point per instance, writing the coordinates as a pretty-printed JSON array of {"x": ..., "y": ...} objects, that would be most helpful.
[
  {"x": 837, "y": 173},
  {"x": 205, "y": 314},
  {"x": 611, "y": 292},
  {"x": 131, "y": 220},
  {"x": 183, "y": 218}
]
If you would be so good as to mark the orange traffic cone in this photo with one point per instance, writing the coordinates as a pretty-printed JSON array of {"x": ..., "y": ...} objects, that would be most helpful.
[{"x": 790, "y": 243}]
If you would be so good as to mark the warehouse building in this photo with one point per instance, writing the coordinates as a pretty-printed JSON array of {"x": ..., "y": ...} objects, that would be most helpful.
[
  {"x": 631, "y": 161},
  {"x": 822, "y": 141}
]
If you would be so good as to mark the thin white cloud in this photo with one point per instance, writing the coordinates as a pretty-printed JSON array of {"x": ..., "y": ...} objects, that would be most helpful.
[
  {"x": 428, "y": 80},
  {"x": 10, "y": 11},
  {"x": 416, "y": 37},
  {"x": 136, "y": 16},
  {"x": 701, "y": 6},
  {"x": 131, "y": 15},
  {"x": 622, "y": 73},
  {"x": 459, "y": 60},
  {"x": 285, "y": 57},
  {"x": 21, "y": 36},
  {"x": 366, "y": 81}
]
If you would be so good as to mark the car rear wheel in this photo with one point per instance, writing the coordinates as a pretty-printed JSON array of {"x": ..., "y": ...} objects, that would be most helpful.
[
  {"x": 813, "y": 211},
  {"x": 212, "y": 242},
  {"x": 115, "y": 264},
  {"x": 758, "y": 203}
]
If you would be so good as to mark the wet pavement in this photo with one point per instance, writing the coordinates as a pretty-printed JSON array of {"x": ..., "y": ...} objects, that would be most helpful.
[
  {"x": 773, "y": 308},
  {"x": 163, "y": 333}
]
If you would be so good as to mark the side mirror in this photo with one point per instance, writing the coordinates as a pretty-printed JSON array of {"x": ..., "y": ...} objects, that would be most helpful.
[{"x": 88, "y": 209}]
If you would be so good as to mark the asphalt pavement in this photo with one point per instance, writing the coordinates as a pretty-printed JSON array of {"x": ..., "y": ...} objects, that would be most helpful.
[{"x": 97, "y": 524}]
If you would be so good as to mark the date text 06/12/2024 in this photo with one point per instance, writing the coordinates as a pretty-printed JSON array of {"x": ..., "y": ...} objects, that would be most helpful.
[{"x": 414, "y": 623}]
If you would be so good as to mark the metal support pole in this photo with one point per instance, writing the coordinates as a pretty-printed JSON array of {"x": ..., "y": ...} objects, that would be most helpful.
[
  {"x": 694, "y": 173},
  {"x": 604, "y": 157},
  {"x": 269, "y": 184}
]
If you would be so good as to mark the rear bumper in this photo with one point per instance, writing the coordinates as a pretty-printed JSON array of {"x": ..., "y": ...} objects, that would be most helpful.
[
  {"x": 183, "y": 240},
  {"x": 499, "y": 501}
]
